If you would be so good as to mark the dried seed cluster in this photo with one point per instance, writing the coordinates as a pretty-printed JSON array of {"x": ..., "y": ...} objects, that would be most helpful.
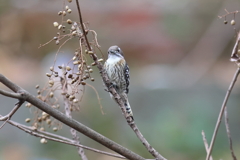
[{"x": 68, "y": 80}]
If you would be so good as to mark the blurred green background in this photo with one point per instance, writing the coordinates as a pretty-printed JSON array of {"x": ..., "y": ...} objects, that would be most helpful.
[{"x": 178, "y": 53}]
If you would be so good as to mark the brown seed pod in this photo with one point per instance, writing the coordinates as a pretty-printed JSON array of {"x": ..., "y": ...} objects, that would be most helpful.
[{"x": 48, "y": 74}]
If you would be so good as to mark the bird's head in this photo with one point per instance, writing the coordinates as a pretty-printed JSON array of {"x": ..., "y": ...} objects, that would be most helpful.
[{"x": 115, "y": 51}]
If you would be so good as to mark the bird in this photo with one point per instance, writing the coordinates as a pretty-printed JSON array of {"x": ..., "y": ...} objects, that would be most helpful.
[{"x": 117, "y": 70}]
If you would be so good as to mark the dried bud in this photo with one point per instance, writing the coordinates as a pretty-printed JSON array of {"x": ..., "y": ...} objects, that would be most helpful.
[
  {"x": 69, "y": 1},
  {"x": 94, "y": 64},
  {"x": 51, "y": 94},
  {"x": 55, "y": 24},
  {"x": 90, "y": 70},
  {"x": 28, "y": 105},
  {"x": 83, "y": 83},
  {"x": 51, "y": 83},
  {"x": 57, "y": 42},
  {"x": 60, "y": 27},
  {"x": 74, "y": 33},
  {"x": 42, "y": 129},
  {"x": 43, "y": 141},
  {"x": 74, "y": 58},
  {"x": 64, "y": 13},
  {"x": 92, "y": 79},
  {"x": 69, "y": 11},
  {"x": 66, "y": 7},
  {"x": 60, "y": 13},
  {"x": 27, "y": 120},
  {"x": 90, "y": 52},
  {"x": 69, "y": 21},
  {"x": 225, "y": 22},
  {"x": 75, "y": 100},
  {"x": 48, "y": 74},
  {"x": 68, "y": 68},
  {"x": 100, "y": 60},
  {"x": 55, "y": 129},
  {"x": 233, "y": 22},
  {"x": 48, "y": 121},
  {"x": 37, "y": 86}
]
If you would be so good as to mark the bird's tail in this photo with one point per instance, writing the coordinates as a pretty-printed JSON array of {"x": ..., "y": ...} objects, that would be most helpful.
[{"x": 128, "y": 109}]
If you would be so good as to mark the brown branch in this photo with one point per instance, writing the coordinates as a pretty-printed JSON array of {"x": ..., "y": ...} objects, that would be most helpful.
[
  {"x": 57, "y": 138},
  {"x": 117, "y": 98},
  {"x": 69, "y": 115},
  {"x": 205, "y": 143},
  {"x": 71, "y": 122},
  {"x": 11, "y": 113},
  {"x": 10, "y": 94},
  {"x": 229, "y": 134},
  {"x": 221, "y": 112}
]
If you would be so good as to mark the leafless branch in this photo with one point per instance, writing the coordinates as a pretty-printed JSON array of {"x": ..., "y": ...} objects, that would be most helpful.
[
  {"x": 10, "y": 94},
  {"x": 229, "y": 134},
  {"x": 205, "y": 143},
  {"x": 71, "y": 122},
  {"x": 117, "y": 98},
  {"x": 11, "y": 113},
  {"x": 57, "y": 138},
  {"x": 69, "y": 115},
  {"x": 221, "y": 112}
]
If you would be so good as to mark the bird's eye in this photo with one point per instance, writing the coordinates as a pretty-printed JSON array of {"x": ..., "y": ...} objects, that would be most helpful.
[{"x": 118, "y": 49}]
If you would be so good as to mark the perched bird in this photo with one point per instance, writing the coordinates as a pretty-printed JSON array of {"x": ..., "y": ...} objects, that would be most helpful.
[{"x": 118, "y": 73}]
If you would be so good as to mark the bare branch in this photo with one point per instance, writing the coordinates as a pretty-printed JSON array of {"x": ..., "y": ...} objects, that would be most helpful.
[
  {"x": 10, "y": 94},
  {"x": 221, "y": 112},
  {"x": 205, "y": 143},
  {"x": 57, "y": 138},
  {"x": 229, "y": 134},
  {"x": 117, "y": 98},
  {"x": 72, "y": 123},
  {"x": 11, "y": 113},
  {"x": 69, "y": 115}
]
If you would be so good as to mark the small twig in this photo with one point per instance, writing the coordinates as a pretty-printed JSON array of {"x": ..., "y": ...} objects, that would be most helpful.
[
  {"x": 71, "y": 122},
  {"x": 115, "y": 94},
  {"x": 69, "y": 115},
  {"x": 229, "y": 134},
  {"x": 57, "y": 138},
  {"x": 221, "y": 112},
  {"x": 10, "y": 94},
  {"x": 11, "y": 113},
  {"x": 205, "y": 143}
]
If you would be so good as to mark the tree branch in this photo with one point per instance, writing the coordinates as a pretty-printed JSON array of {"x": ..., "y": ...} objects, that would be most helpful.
[
  {"x": 205, "y": 143},
  {"x": 221, "y": 112},
  {"x": 69, "y": 115},
  {"x": 72, "y": 123},
  {"x": 10, "y": 94},
  {"x": 117, "y": 98},
  {"x": 11, "y": 113},
  {"x": 57, "y": 138},
  {"x": 229, "y": 134}
]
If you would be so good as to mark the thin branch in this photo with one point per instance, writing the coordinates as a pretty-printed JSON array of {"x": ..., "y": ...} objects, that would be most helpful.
[
  {"x": 229, "y": 134},
  {"x": 57, "y": 138},
  {"x": 117, "y": 98},
  {"x": 205, "y": 143},
  {"x": 72, "y": 123},
  {"x": 221, "y": 112},
  {"x": 69, "y": 115},
  {"x": 11, "y": 94},
  {"x": 11, "y": 113}
]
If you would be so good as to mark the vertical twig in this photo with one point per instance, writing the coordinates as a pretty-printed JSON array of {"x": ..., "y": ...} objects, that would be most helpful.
[
  {"x": 221, "y": 112},
  {"x": 229, "y": 134},
  {"x": 117, "y": 98},
  {"x": 68, "y": 113},
  {"x": 205, "y": 143}
]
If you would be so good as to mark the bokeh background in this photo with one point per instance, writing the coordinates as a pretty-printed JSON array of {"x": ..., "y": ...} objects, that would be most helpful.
[{"x": 178, "y": 53}]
